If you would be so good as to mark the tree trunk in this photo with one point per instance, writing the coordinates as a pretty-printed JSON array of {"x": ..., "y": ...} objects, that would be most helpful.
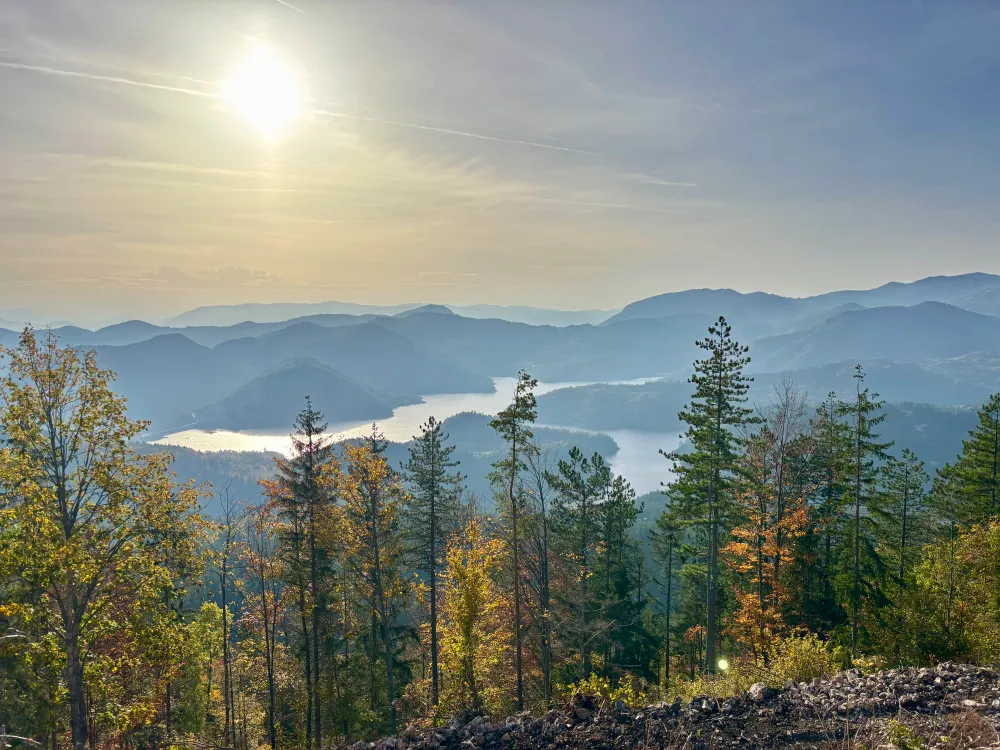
[
  {"x": 546, "y": 619},
  {"x": 269, "y": 657},
  {"x": 902, "y": 539},
  {"x": 856, "y": 587},
  {"x": 307, "y": 663},
  {"x": 74, "y": 683},
  {"x": 433, "y": 572},
  {"x": 517, "y": 577},
  {"x": 314, "y": 585},
  {"x": 390, "y": 685},
  {"x": 666, "y": 639},
  {"x": 228, "y": 729}
]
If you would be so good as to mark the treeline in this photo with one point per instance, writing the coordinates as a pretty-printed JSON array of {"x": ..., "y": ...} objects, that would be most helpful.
[{"x": 360, "y": 596}]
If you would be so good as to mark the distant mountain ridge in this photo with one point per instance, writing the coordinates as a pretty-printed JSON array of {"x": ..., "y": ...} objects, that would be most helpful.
[
  {"x": 981, "y": 290},
  {"x": 929, "y": 330},
  {"x": 224, "y": 315},
  {"x": 933, "y": 340}
]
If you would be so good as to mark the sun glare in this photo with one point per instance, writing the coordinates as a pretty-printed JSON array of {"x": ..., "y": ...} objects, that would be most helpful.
[{"x": 266, "y": 89}]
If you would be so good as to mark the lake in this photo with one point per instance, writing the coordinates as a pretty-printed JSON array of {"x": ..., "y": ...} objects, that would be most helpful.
[{"x": 638, "y": 457}]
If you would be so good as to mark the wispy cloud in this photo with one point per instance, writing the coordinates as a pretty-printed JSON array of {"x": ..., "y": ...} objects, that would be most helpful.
[
  {"x": 106, "y": 79},
  {"x": 460, "y": 133},
  {"x": 293, "y": 7},
  {"x": 124, "y": 81}
]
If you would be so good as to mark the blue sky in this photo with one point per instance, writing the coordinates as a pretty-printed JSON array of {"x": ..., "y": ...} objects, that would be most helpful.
[{"x": 564, "y": 153}]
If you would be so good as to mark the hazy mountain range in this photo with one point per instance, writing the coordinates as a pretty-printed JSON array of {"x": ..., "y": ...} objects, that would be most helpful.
[{"x": 934, "y": 341}]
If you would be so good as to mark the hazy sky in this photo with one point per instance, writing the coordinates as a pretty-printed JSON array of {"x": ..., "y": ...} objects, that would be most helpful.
[{"x": 557, "y": 153}]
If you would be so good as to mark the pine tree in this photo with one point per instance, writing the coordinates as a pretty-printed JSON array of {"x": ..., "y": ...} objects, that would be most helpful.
[
  {"x": 667, "y": 541},
  {"x": 619, "y": 564},
  {"x": 702, "y": 486},
  {"x": 302, "y": 494},
  {"x": 901, "y": 511},
  {"x": 513, "y": 424},
  {"x": 576, "y": 530},
  {"x": 862, "y": 416},
  {"x": 537, "y": 562},
  {"x": 430, "y": 515},
  {"x": 829, "y": 468},
  {"x": 976, "y": 473}
]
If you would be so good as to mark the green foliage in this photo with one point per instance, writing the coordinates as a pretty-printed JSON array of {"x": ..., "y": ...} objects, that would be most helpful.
[
  {"x": 714, "y": 417},
  {"x": 96, "y": 542},
  {"x": 862, "y": 568},
  {"x": 631, "y": 691},
  {"x": 314, "y": 637},
  {"x": 430, "y": 515},
  {"x": 902, "y": 736},
  {"x": 974, "y": 479},
  {"x": 797, "y": 658}
]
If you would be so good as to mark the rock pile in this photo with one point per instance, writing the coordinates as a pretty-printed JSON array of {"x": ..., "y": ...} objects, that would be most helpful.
[{"x": 816, "y": 714}]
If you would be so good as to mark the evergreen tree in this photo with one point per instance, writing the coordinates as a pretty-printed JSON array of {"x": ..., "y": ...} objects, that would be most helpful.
[
  {"x": 702, "y": 486},
  {"x": 976, "y": 473},
  {"x": 580, "y": 484},
  {"x": 513, "y": 424},
  {"x": 862, "y": 416},
  {"x": 619, "y": 564},
  {"x": 537, "y": 562},
  {"x": 901, "y": 511},
  {"x": 430, "y": 515},
  {"x": 302, "y": 492},
  {"x": 818, "y": 561},
  {"x": 667, "y": 541}
]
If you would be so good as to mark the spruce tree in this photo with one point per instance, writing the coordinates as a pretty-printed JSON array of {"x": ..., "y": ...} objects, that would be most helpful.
[
  {"x": 513, "y": 424},
  {"x": 576, "y": 530},
  {"x": 901, "y": 511},
  {"x": 976, "y": 473},
  {"x": 619, "y": 558},
  {"x": 430, "y": 515},
  {"x": 702, "y": 487},
  {"x": 537, "y": 561},
  {"x": 862, "y": 416},
  {"x": 302, "y": 494},
  {"x": 830, "y": 468}
]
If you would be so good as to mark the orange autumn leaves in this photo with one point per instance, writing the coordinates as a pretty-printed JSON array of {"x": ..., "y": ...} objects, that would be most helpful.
[{"x": 773, "y": 516}]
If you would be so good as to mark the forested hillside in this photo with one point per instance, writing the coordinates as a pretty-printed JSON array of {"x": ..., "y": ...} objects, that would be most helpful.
[{"x": 364, "y": 586}]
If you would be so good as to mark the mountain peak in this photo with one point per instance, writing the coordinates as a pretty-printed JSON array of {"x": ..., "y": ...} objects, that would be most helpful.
[{"x": 426, "y": 309}]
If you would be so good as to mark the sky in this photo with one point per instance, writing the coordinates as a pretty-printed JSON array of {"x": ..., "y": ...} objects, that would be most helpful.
[{"x": 564, "y": 153}]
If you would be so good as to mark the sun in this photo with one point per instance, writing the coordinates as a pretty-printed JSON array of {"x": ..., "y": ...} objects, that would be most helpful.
[{"x": 266, "y": 89}]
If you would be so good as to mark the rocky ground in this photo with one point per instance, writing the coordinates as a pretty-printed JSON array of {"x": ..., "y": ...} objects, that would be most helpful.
[{"x": 951, "y": 706}]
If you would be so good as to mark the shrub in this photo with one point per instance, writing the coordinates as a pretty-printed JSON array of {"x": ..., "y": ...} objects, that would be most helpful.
[
  {"x": 633, "y": 692},
  {"x": 797, "y": 658}
]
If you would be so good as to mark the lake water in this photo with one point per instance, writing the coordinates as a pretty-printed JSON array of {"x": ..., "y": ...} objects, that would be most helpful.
[{"x": 638, "y": 457}]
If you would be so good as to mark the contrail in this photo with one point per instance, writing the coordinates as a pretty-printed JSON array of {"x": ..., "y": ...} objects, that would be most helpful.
[
  {"x": 289, "y": 5},
  {"x": 107, "y": 79},
  {"x": 447, "y": 131},
  {"x": 323, "y": 112}
]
